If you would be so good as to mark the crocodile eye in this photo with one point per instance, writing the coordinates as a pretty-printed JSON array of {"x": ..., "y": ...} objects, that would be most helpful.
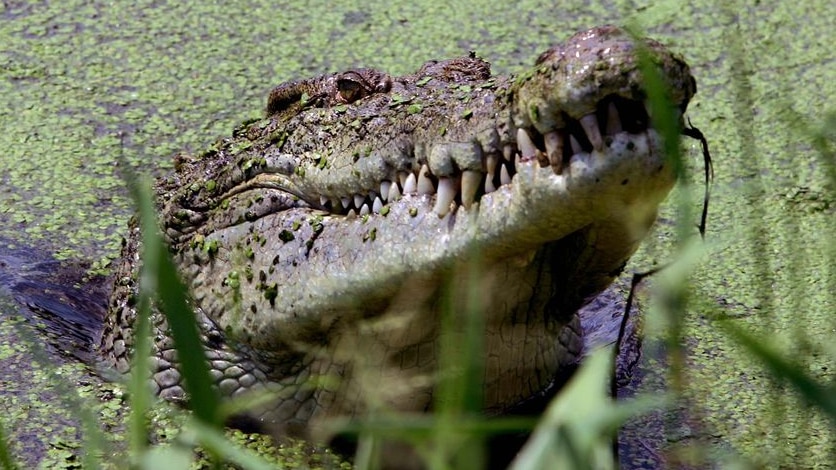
[{"x": 350, "y": 90}]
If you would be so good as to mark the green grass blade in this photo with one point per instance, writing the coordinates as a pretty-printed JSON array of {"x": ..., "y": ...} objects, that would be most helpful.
[
  {"x": 5, "y": 456},
  {"x": 171, "y": 294},
  {"x": 140, "y": 367}
]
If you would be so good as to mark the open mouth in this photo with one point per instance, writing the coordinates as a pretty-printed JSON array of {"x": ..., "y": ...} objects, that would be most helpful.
[{"x": 594, "y": 132}]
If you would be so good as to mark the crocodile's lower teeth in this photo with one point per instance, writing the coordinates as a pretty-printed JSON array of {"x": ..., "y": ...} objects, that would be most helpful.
[
  {"x": 364, "y": 209},
  {"x": 377, "y": 205}
]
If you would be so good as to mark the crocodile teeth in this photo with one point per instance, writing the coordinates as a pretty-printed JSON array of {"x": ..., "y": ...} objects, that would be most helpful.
[
  {"x": 410, "y": 185},
  {"x": 504, "y": 176},
  {"x": 364, "y": 210},
  {"x": 470, "y": 184},
  {"x": 346, "y": 202},
  {"x": 323, "y": 200},
  {"x": 446, "y": 194},
  {"x": 358, "y": 200},
  {"x": 377, "y": 205},
  {"x": 527, "y": 148},
  {"x": 384, "y": 189},
  {"x": 394, "y": 193},
  {"x": 576, "y": 146},
  {"x": 613, "y": 120},
  {"x": 489, "y": 187},
  {"x": 593, "y": 132},
  {"x": 425, "y": 184},
  {"x": 402, "y": 176},
  {"x": 554, "y": 150},
  {"x": 508, "y": 152},
  {"x": 490, "y": 164}
]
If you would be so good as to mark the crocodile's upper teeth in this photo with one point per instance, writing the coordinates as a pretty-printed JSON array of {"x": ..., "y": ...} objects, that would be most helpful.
[
  {"x": 554, "y": 149},
  {"x": 527, "y": 148},
  {"x": 504, "y": 176},
  {"x": 323, "y": 200},
  {"x": 446, "y": 194},
  {"x": 425, "y": 184},
  {"x": 490, "y": 164},
  {"x": 470, "y": 184},
  {"x": 489, "y": 187},
  {"x": 410, "y": 185},
  {"x": 576, "y": 146},
  {"x": 358, "y": 200},
  {"x": 593, "y": 132},
  {"x": 402, "y": 176},
  {"x": 346, "y": 202},
  {"x": 384, "y": 189},
  {"x": 613, "y": 120},
  {"x": 508, "y": 152}
]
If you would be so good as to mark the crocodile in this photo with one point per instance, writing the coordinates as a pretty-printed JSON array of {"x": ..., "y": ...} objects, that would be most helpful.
[{"x": 323, "y": 242}]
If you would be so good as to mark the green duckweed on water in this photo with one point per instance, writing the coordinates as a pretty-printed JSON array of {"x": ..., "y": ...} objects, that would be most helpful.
[{"x": 82, "y": 83}]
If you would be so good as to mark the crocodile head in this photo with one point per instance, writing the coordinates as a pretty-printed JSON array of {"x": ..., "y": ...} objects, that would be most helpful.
[{"x": 317, "y": 240}]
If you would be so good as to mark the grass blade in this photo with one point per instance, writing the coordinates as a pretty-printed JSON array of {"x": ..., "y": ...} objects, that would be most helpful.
[{"x": 171, "y": 294}]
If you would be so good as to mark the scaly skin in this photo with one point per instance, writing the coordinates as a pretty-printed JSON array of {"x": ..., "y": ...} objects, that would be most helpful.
[{"x": 547, "y": 182}]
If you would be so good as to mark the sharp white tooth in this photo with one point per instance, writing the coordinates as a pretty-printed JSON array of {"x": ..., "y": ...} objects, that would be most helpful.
[
  {"x": 425, "y": 184},
  {"x": 470, "y": 184},
  {"x": 613, "y": 120},
  {"x": 593, "y": 132},
  {"x": 576, "y": 146},
  {"x": 446, "y": 194},
  {"x": 394, "y": 193},
  {"x": 489, "y": 187},
  {"x": 508, "y": 152},
  {"x": 504, "y": 176},
  {"x": 554, "y": 149},
  {"x": 517, "y": 159},
  {"x": 351, "y": 214},
  {"x": 410, "y": 185},
  {"x": 490, "y": 163},
  {"x": 384, "y": 189},
  {"x": 377, "y": 205},
  {"x": 527, "y": 148},
  {"x": 364, "y": 210},
  {"x": 402, "y": 176},
  {"x": 358, "y": 200},
  {"x": 346, "y": 202},
  {"x": 322, "y": 200}
]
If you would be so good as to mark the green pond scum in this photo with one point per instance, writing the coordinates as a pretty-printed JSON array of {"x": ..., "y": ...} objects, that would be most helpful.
[{"x": 85, "y": 83}]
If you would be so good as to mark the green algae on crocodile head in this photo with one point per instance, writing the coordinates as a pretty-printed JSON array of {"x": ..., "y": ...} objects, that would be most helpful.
[{"x": 346, "y": 207}]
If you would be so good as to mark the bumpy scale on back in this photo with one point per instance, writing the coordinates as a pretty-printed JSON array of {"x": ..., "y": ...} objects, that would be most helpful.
[{"x": 316, "y": 240}]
